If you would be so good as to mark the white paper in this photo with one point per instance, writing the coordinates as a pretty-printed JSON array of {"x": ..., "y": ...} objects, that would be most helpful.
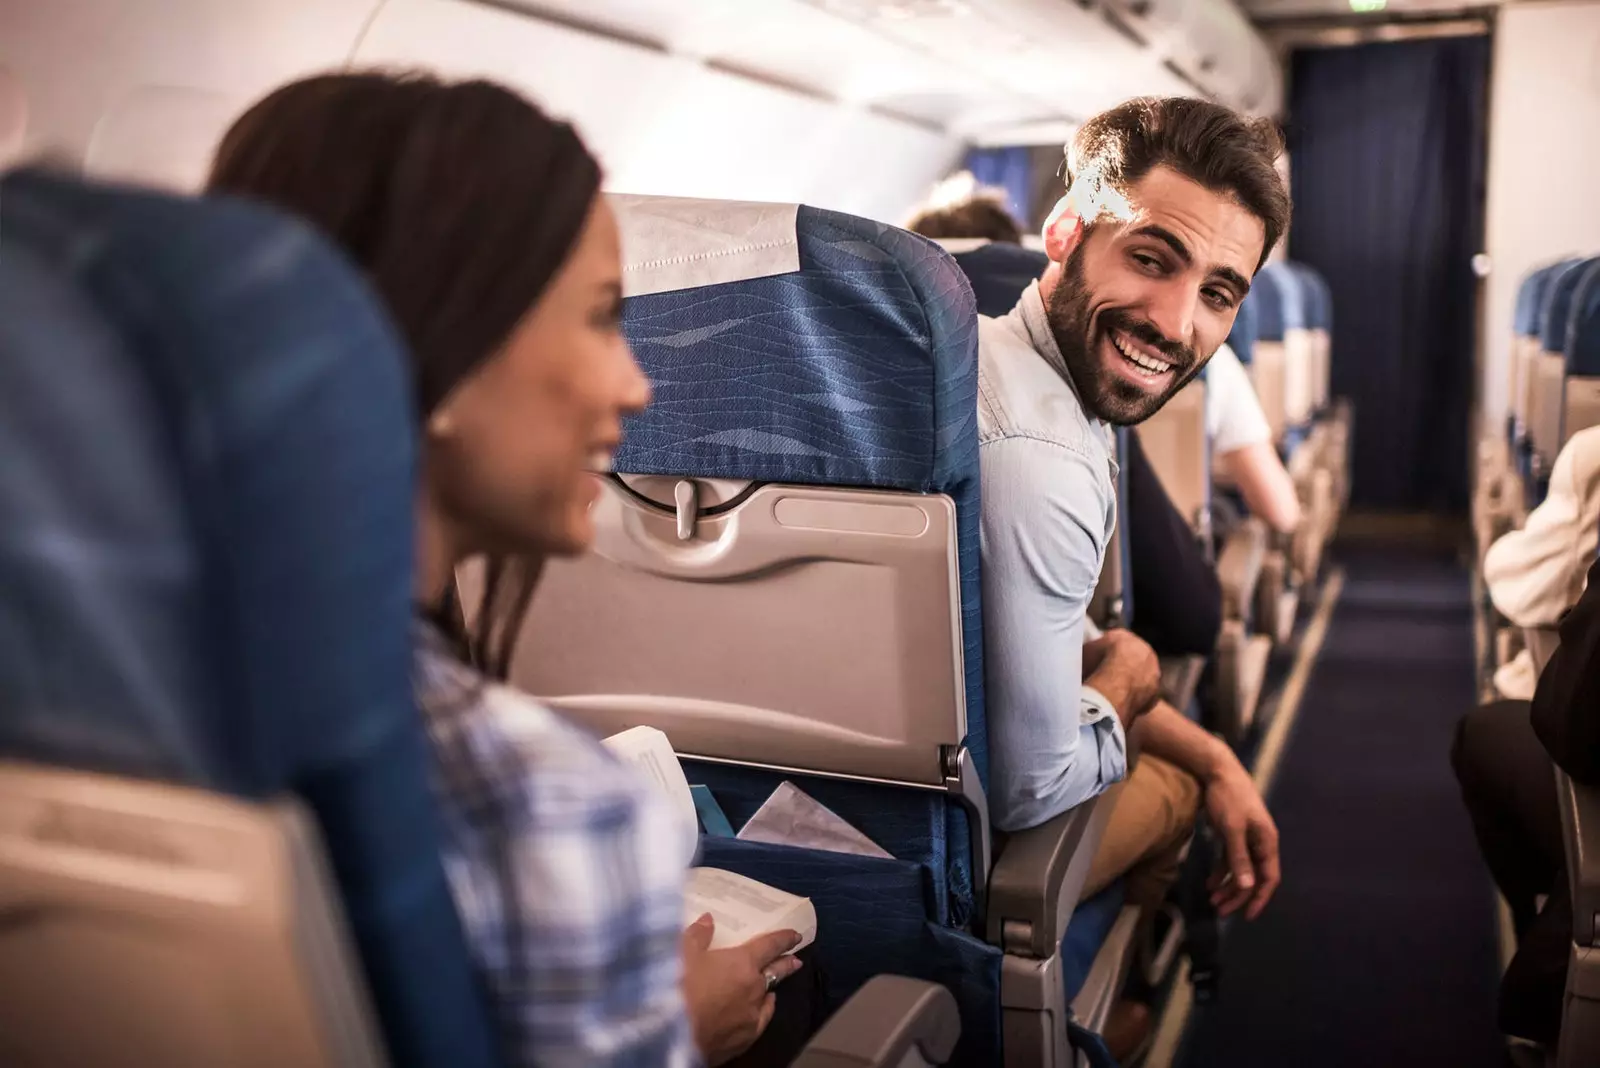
[
  {"x": 790, "y": 817},
  {"x": 744, "y": 909},
  {"x": 649, "y": 750}
]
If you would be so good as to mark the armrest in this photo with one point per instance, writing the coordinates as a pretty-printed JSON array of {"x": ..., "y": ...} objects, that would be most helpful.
[
  {"x": 1180, "y": 677},
  {"x": 887, "y": 1019},
  {"x": 1580, "y": 833},
  {"x": 1038, "y": 876},
  {"x": 1239, "y": 568}
]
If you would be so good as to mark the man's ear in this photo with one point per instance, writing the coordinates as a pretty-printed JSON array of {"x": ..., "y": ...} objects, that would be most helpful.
[{"x": 1062, "y": 230}]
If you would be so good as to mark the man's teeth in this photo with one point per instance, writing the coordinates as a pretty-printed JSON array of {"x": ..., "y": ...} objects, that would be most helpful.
[{"x": 1137, "y": 358}]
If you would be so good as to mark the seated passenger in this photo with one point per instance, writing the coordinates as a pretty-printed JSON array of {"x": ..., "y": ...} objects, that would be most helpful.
[
  {"x": 1173, "y": 205},
  {"x": 1241, "y": 442},
  {"x": 1171, "y": 208},
  {"x": 1504, "y": 756},
  {"x": 979, "y": 214},
  {"x": 1536, "y": 573},
  {"x": 479, "y": 222},
  {"x": 1176, "y": 590}
]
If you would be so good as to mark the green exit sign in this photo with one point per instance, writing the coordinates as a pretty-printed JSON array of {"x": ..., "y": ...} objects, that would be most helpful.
[{"x": 1364, "y": 6}]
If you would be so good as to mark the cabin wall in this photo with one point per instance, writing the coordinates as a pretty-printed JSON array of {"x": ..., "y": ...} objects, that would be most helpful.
[
  {"x": 141, "y": 89},
  {"x": 1544, "y": 160}
]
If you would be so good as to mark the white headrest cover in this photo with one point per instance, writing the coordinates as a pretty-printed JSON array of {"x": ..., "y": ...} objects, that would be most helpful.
[{"x": 671, "y": 243}]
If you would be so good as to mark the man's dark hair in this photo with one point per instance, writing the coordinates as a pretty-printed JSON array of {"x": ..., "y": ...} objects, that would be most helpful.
[
  {"x": 980, "y": 216},
  {"x": 1207, "y": 143}
]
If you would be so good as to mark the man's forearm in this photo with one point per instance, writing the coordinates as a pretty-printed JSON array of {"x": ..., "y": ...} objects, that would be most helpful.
[{"x": 1166, "y": 733}]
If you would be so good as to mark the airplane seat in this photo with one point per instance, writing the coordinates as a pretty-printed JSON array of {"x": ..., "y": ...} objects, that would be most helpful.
[
  {"x": 1499, "y": 497},
  {"x": 217, "y": 832},
  {"x": 999, "y": 272},
  {"x": 1330, "y": 430},
  {"x": 785, "y": 581},
  {"x": 1178, "y": 446},
  {"x": 1579, "y": 805},
  {"x": 1548, "y": 369},
  {"x": 1279, "y": 371},
  {"x": 1278, "y": 587},
  {"x": 205, "y": 652},
  {"x": 1580, "y": 406}
]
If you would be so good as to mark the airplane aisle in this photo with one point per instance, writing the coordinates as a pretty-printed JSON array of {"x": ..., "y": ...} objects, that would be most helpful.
[{"x": 1380, "y": 948}]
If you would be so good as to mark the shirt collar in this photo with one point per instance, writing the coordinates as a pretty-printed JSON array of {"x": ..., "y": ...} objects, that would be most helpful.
[{"x": 1036, "y": 324}]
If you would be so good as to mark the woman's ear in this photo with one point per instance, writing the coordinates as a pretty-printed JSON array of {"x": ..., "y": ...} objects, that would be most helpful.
[{"x": 1062, "y": 230}]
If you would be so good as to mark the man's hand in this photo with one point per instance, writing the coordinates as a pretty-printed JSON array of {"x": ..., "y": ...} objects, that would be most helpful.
[
  {"x": 1250, "y": 875},
  {"x": 1126, "y": 670},
  {"x": 730, "y": 1002}
]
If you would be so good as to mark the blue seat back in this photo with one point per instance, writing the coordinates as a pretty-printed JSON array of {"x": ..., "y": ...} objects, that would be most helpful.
[
  {"x": 999, "y": 273},
  {"x": 1556, "y": 313},
  {"x": 1583, "y": 327},
  {"x": 1246, "y": 327},
  {"x": 1283, "y": 303},
  {"x": 206, "y": 571},
  {"x": 854, "y": 366}
]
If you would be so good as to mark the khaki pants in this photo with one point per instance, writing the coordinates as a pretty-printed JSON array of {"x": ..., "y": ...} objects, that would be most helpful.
[{"x": 1152, "y": 819}]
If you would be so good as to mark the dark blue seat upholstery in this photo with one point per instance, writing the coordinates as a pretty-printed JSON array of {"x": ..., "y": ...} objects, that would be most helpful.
[
  {"x": 859, "y": 369},
  {"x": 1556, "y": 313},
  {"x": 1583, "y": 327},
  {"x": 205, "y": 573},
  {"x": 1246, "y": 328},
  {"x": 999, "y": 273}
]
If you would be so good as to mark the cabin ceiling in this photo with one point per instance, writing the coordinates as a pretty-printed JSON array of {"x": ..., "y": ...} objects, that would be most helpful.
[
  {"x": 981, "y": 70},
  {"x": 1266, "y": 10}
]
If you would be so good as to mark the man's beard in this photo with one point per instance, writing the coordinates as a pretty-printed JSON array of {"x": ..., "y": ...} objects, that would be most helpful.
[{"x": 1079, "y": 335}]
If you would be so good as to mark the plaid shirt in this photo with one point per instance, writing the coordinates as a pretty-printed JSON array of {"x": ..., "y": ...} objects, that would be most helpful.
[{"x": 568, "y": 872}]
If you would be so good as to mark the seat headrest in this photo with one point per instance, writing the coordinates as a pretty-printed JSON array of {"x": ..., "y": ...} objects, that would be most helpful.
[
  {"x": 1583, "y": 338},
  {"x": 1282, "y": 303},
  {"x": 999, "y": 274},
  {"x": 1544, "y": 280},
  {"x": 1319, "y": 300},
  {"x": 1525, "y": 317},
  {"x": 207, "y": 572},
  {"x": 1558, "y": 305},
  {"x": 854, "y": 363},
  {"x": 1246, "y": 327}
]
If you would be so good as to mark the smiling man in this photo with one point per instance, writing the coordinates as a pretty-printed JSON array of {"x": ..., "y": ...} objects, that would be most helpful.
[{"x": 1171, "y": 207}]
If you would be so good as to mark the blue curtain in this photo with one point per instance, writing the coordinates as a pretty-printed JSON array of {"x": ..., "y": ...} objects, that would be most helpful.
[
  {"x": 1009, "y": 169},
  {"x": 1388, "y": 145}
]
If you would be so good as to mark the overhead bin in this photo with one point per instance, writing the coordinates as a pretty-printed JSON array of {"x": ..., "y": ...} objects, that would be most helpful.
[
  {"x": 668, "y": 124},
  {"x": 1212, "y": 45}
]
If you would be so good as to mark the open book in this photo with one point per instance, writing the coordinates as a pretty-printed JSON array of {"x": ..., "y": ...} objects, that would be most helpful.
[{"x": 743, "y": 908}]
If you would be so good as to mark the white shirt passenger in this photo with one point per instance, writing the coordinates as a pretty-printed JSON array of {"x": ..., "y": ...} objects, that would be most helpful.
[{"x": 1234, "y": 418}]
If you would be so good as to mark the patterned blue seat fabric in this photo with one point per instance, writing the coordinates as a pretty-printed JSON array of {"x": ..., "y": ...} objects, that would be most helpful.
[
  {"x": 859, "y": 369},
  {"x": 206, "y": 571}
]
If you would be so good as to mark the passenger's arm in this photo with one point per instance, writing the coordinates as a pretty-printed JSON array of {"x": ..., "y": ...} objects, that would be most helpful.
[
  {"x": 1237, "y": 810},
  {"x": 570, "y": 884},
  {"x": 1566, "y": 706},
  {"x": 1265, "y": 484},
  {"x": 1533, "y": 574},
  {"x": 1053, "y": 741},
  {"x": 1123, "y": 669}
]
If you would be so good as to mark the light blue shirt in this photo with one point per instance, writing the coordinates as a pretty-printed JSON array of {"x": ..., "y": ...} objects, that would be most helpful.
[{"x": 1049, "y": 509}]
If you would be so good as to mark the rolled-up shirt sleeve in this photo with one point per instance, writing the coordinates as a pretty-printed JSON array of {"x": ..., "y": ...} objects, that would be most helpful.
[{"x": 1054, "y": 742}]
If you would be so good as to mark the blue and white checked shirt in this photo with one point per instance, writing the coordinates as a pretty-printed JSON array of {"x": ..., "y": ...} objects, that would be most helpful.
[
  {"x": 568, "y": 871},
  {"x": 1049, "y": 509}
]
